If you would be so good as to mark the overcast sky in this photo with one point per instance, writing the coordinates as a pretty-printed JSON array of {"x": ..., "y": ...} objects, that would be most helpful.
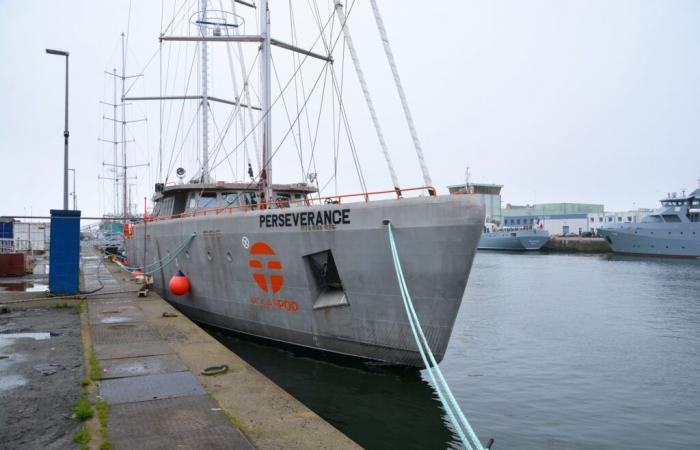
[{"x": 559, "y": 101}]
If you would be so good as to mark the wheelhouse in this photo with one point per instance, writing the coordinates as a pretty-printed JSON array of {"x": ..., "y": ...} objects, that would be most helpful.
[{"x": 184, "y": 199}]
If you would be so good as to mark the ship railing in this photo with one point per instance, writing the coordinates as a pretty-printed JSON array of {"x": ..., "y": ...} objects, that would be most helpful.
[{"x": 365, "y": 197}]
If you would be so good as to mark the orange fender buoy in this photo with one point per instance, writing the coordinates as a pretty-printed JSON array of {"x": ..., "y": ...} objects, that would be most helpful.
[{"x": 179, "y": 284}]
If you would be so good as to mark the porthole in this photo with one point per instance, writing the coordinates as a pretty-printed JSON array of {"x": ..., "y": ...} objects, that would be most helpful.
[
  {"x": 187, "y": 254},
  {"x": 229, "y": 257},
  {"x": 209, "y": 256}
]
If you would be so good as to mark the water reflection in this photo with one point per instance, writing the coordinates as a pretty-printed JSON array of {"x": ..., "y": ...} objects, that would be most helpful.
[
  {"x": 378, "y": 407},
  {"x": 23, "y": 286}
]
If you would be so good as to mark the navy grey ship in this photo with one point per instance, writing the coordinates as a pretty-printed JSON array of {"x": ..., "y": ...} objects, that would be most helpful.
[
  {"x": 671, "y": 231},
  {"x": 494, "y": 238},
  {"x": 286, "y": 263}
]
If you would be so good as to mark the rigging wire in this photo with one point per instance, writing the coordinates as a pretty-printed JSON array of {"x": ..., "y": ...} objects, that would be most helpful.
[
  {"x": 365, "y": 91},
  {"x": 182, "y": 110},
  {"x": 402, "y": 95},
  {"x": 286, "y": 110},
  {"x": 274, "y": 102}
]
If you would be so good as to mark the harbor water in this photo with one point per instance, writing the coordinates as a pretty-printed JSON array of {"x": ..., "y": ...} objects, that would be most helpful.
[{"x": 548, "y": 352}]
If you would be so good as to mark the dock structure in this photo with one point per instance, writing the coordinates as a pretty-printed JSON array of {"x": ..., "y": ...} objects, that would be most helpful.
[
  {"x": 152, "y": 361},
  {"x": 577, "y": 245}
]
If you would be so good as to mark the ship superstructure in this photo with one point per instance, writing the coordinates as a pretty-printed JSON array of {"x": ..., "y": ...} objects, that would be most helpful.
[{"x": 671, "y": 231}]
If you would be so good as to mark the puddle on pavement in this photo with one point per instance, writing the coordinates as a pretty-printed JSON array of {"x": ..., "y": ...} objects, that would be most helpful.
[
  {"x": 24, "y": 286},
  {"x": 114, "y": 319},
  {"x": 9, "y": 382},
  {"x": 35, "y": 336}
]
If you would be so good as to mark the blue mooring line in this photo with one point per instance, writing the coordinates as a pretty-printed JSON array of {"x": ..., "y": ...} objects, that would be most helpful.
[{"x": 421, "y": 341}]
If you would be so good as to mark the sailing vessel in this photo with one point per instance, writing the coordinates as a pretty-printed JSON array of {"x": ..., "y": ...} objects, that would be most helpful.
[
  {"x": 671, "y": 231},
  {"x": 290, "y": 263}
]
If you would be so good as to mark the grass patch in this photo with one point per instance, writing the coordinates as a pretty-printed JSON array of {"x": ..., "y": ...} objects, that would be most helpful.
[
  {"x": 82, "y": 437},
  {"x": 95, "y": 371},
  {"x": 85, "y": 382},
  {"x": 82, "y": 408},
  {"x": 102, "y": 409},
  {"x": 78, "y": 307},
  {"x": 63, "y": 305},
  {"x": 236, "y": 422}
]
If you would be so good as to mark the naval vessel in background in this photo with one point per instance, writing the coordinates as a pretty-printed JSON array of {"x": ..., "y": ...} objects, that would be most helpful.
[
  {"x": 526, "y": 238},
  {"x": 671, "y": 231},
  {"x": 283, "y": 261}
]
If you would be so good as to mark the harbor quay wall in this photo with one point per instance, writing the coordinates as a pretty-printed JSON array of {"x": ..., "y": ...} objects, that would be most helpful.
[{"x": 577, "y": 245}]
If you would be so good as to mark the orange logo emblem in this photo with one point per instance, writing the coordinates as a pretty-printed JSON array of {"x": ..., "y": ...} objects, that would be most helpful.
[{"x": 268, "y": 267}]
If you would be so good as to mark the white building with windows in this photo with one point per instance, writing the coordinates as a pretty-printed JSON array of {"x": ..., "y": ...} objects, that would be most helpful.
[{"x": 596, "y": 220}]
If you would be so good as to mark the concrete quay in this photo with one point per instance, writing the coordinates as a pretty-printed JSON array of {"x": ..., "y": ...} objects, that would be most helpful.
[
  {"x": 142, "y": 368},
  {"x": 577, "y": 245},
  {"x": 152, "y": 360}
]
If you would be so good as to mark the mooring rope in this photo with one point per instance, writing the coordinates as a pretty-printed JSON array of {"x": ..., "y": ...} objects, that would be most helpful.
[
  {"x": 160, "y": 264},
  {"x": 442, "y": 388}
]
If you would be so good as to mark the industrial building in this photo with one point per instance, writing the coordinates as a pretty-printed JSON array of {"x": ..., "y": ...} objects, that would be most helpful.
[
  {"x": 490, "y": 194},
  {"x": 596, "y": 220},
  {"x": 557, "y": 218}
]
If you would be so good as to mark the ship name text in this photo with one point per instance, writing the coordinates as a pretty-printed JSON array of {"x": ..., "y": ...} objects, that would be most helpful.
[{"x": 306, "y": 219}]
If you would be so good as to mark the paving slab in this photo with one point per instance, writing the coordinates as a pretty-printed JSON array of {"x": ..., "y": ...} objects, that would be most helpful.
[
  {"x": 111, "y": 314},
  {"x": 222, "y": 437},
  {"x": 147, "y": 365},
  {"x": 150, "y": 387},
  {"x": 164, "y": 417},
  {"x": 123, "y": 333},
  {"x": 113, "y": 351}
]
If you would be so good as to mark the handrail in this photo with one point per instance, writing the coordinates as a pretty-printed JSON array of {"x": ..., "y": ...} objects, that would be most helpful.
[{"x": 279, "y": 204}]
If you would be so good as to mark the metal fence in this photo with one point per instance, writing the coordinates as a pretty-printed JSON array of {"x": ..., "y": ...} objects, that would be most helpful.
[{"x": 15, "y": 245}]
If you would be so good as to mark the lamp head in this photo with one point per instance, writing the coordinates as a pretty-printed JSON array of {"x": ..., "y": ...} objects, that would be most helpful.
[{"x": 56, "y": 52}]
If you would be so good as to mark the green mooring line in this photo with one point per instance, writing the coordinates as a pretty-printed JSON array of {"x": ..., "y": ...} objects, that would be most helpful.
[{"x": 442, "y": 387}]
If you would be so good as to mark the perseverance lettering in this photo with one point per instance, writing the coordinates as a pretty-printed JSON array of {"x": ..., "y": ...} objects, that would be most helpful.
[{"x": 306, "y": 219}]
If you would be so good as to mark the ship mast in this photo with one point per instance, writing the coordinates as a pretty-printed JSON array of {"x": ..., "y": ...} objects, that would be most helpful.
[
  {"x": 125, "y": 200},
  {"x": 266, "y": 87},
  {"x": 204, "y": 51}
]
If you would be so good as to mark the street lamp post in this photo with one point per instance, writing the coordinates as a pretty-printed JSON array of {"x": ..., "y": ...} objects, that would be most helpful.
[
  {"x": 65, "y": 132},
  {"x": 75, "y": 195}
]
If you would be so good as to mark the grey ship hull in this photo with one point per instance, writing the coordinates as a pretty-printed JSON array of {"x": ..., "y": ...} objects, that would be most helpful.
[
  {"x": 436, "y": 239},
  {"x": 673, "y": 240},
  {"x": 513, "y": 240}
]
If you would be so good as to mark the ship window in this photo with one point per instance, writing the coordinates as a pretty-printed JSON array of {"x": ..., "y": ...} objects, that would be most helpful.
[
  {"x": 629, "y": 218},
  {"x": 282, "y": 200},
  {"x": 179, "y": 203},
  {"x": 592, "y": 219},
  {"x": 208, "y": 200},
  {"x": 652, "y": 219},
  {"x": 231, "y": 198},
  {"x": 251, "y": 199},
  {"x": 671, "y": 218},
  {"x": 600, "y": 219},
  {"x": 191, "y": 201}
]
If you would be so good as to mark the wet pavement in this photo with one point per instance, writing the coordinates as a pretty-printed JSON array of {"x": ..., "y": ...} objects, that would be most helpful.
[
  {"x": 142, "y": 375},
  {"x": 40, "y": 373}
]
